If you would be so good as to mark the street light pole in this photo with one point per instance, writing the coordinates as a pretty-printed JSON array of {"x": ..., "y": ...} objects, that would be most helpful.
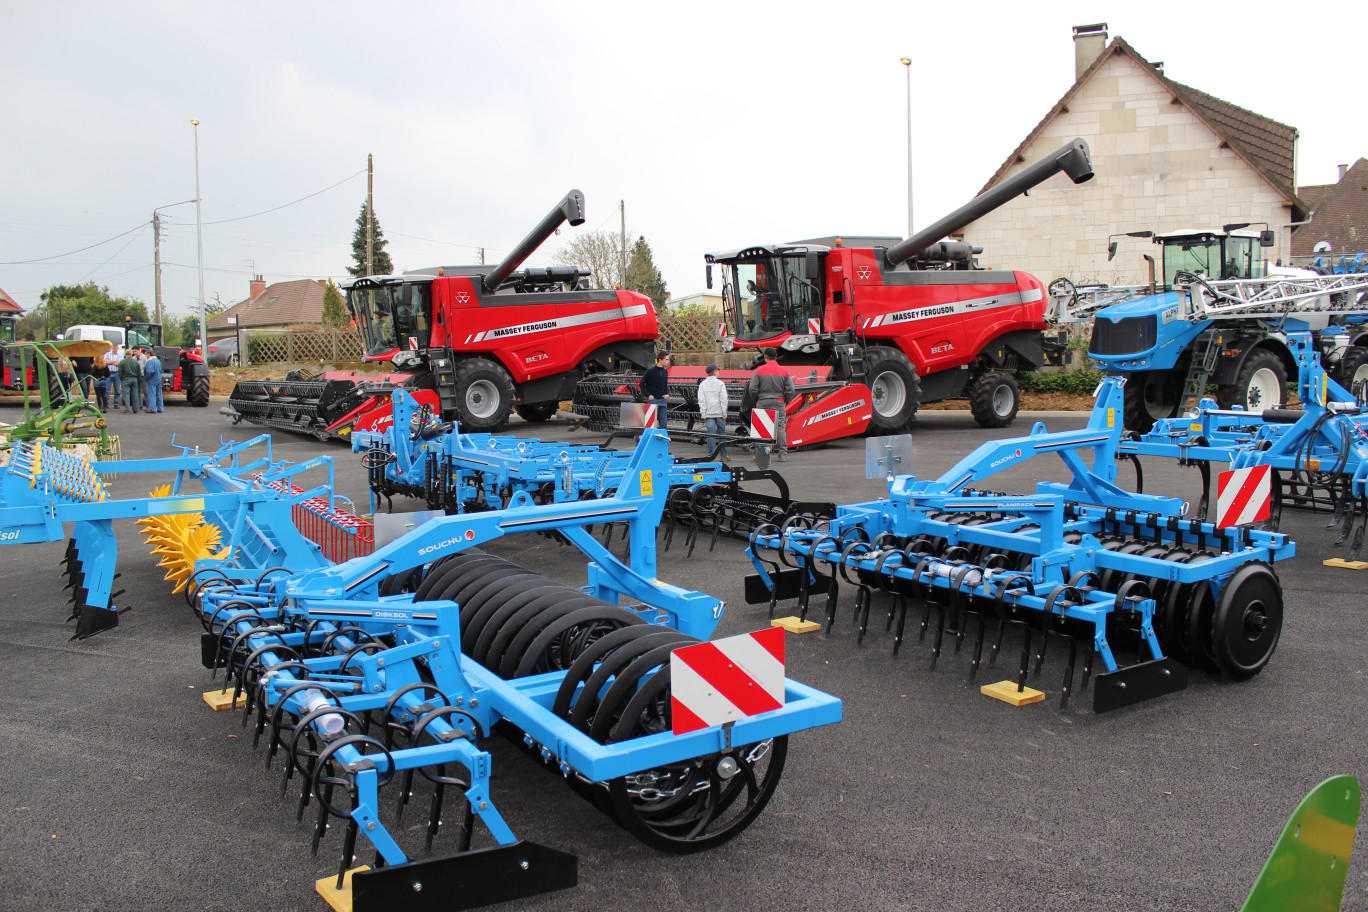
[
  {"x": 907, "y": 65},
  {"x": 199, "y": 242}
]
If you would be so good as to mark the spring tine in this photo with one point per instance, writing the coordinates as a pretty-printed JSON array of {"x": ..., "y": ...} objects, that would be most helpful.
[
  {"x": 1358, "y": 532},
  {"x": 831, "y": 602},
  {"x": 405, "y": 793},
  {"x": 978, "y": 648},
  {"x": 320, "y": 825},
  {"x": 348, "y": 850},
  {"x": 940, "y": 635},
  {"x": 1068, "y": 674},
  {"x": 862, "y": 613},
  {"x": 1338, "y": 500},
  {"x": 717, "y": 528},
  {"x": 305, "y": 793},
  {"x": 434, "y": 814},
  {"x": 774, "y": 600},
  {"x": 997, "y": 642},
  {"x": 1025, "y": 657},
  {"x": 260, "y": 727},
  {"x": 669, "y": 533},
  {"x": 467, "y": 825},
  {"x": 961, "y": 621},
  {"x": 1040, "y": 654},
  {"x": 1350, "y": 515},
  {"x": 926, "y": 618},
  {"x": 900, "y": 604},
  {"x": 691, "y": 539}
]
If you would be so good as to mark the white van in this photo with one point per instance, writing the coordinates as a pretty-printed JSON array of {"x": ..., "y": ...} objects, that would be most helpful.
[{"x": 86, "y": 332}]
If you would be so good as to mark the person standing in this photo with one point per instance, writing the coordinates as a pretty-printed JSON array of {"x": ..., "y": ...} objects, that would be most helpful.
[
  {"x": 771, "y": 387},
  {"x": 110, "y": 360},
  {"x": 141, "y": 354},
  {"x": 712, "y": 406},
  {"x": 655, "y": 386},
  {"x": 152, "y": 377},
  {"x": 129, "y": 375}
]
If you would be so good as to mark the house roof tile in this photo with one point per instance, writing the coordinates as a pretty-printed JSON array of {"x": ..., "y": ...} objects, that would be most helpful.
[
  {"x": 1340, "y": 217},
  {"x": 280, "y": 303},
  {"x": 8, "y": 304}
]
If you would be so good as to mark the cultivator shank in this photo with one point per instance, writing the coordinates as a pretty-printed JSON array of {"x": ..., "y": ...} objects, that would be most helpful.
[{"x": 1113, "y": 575}]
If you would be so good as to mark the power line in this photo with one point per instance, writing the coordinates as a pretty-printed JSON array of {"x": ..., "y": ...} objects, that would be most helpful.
[
  {"x": 57, "y": 256},
  {"x": 286, "y": 205},
  {"x": 113, "y": 255}
]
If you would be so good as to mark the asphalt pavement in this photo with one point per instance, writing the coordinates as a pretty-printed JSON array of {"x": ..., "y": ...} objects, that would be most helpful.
[{"x": 121, "y": 790}]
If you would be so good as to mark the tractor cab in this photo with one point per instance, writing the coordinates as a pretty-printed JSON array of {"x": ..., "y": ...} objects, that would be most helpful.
[
  {"x": 143, "y": 335},
  {"x": 1230, "y": 252},
  {"x": 393, "y": 315},
  {"x": 7, "y": 327},
  {"x": 770, "y": 292}
]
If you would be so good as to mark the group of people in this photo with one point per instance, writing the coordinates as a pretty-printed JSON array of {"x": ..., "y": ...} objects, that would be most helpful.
[
  {"x": 130, "y": 382},
  {"x": 770, "y": 387}
]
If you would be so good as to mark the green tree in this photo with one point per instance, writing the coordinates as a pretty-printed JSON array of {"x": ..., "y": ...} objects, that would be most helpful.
[
  {"x": 382, "y": 263},
  {"x": 334, "y": 312},
  {"x": 643, "y": 276},
  {"x": 68, "y": 305}
]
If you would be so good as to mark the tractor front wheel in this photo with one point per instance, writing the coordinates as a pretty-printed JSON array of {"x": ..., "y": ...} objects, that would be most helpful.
[
  {"x": 995, "y": 399},
  {"x": 484, "y": 395}
]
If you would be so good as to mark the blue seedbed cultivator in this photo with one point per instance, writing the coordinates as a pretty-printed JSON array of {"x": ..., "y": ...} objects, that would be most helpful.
[
  {"x": 420, "y": 457},
  {"x": 1317, "y": 454},
  {"x": 374, "y": 683},
  {"x": 1114, "y": 575}
]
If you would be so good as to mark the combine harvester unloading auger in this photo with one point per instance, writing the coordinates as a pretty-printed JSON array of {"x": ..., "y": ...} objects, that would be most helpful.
[
  {"x": 393, "y": 667},
  {"x": 1086, "y": 562},
  {"x": 421, "y": 457}
]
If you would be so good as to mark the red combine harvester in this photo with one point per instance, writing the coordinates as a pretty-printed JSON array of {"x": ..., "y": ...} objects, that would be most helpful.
[
  {"x": 871, "y": 328},
  {"x": 475, "y": 343}
]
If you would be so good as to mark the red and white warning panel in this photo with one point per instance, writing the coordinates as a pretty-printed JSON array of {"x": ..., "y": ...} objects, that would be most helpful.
[
  {"x": 762, "y": 424},
  {"x": 726, "y": 680},
  {"x": 814, "y": 325},
  {"x": 1243, "y": 496}
]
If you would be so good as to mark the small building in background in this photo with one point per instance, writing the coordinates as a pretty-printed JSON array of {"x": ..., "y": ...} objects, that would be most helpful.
[
  {"x": 1338, "y": 224},
  {"x": 704, "y": 301},
  {"x": 275, "y": 306},
  {"x": 1166, "y": 157}
]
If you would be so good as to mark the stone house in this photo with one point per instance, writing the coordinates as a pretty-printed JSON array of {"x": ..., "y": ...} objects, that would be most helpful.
[
  {"x": 1166, "y": 157},
  {"x": 276, "y": 306}
]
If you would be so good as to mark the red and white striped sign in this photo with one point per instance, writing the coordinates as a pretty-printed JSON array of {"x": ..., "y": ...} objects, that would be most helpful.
[
  {"x": 1243, "y": 496},
  {"x": 721, "y": 330},
  {"x": 814, "y": 326},
  {"x": 726, "y": 680},
  {"x": 762, "y": 424},
  {"x": 637, "y": 415}
]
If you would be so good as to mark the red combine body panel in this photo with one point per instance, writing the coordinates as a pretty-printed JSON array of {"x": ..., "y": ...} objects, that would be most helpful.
[
  {"x": 909, "y": 321},
  {"x": 482, "y": 341}
]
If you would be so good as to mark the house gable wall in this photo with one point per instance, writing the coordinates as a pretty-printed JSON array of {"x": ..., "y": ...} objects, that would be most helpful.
[{"x": 1158, "y": 167}]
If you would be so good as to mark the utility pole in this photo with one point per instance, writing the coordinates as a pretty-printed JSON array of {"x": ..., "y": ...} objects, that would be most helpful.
[
  {"x": 156, "y": 260},
  {"x": 622, "y": 263},
  {"x": 482, "y": 262},
  {"x": 370, "y": 216}
]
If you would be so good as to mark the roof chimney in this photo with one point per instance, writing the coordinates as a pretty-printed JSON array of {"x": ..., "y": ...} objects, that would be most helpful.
[
  {"x": 1342, "y": 170},
  {"x": 257, "y": 287},
  {"x": 1089, "y": 43}
]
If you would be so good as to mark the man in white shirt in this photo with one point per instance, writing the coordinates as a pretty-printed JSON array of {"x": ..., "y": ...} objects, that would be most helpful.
[
  {"x": 712, "y": 405},
  {"x": 110, "y": 360}
]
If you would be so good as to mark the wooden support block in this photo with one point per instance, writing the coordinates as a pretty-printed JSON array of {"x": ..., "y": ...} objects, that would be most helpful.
[
  {"x": 1345, "y": 564},
  {"x": 795, "y": 625},
  {"x": 340, "y": 900},
  {"x": 1007, "y": 692},
  {"x": 219, "y": 700}
]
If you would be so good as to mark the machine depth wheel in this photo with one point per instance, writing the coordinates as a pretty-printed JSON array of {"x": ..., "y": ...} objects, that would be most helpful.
[
  {"x": 198, "y": 392},
  {"x": 700, "y": 803},
  {"x": 893, "y": 387},
  {"x": 1150, "y": 396},
  {"x": 538, "y": 411},
  {"x": 1352, "y": 368},
  {"x": 1260, "y": 384},
  {"x": 1248, "y": 621},
  {"x": 994, "y": 399},
  {"x": 484, "y": 395}
]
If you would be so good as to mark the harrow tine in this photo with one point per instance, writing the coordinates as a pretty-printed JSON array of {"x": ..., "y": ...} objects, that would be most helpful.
[
  {"x": 434, "y": 814},
  {"x": 862, "y": 613},
  {"x": 348, "y": 850},
  {"x": 320, "y": 827},
  {"x": 1338, "y": 502},
  {"x": 1087, "y": 667},
  {"x": 1350, "y": 516},
  {"x": 405, "y": 793},
  {"x": 978, "y": 648},
  {"x": 1068, "y": 674},
  {"x": 901, "y": 605},
  {"x": 940, "y": 635},
  {"x": 1358, "y": 532},
  {"x": 1025, "y": 657}
]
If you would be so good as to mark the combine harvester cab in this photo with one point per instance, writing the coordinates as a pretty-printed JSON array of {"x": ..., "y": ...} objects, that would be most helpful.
[
  {"x": 871, "y": 328},
  {"x": 475, "y": 343},
  {"x": 1088, "y": 563}
]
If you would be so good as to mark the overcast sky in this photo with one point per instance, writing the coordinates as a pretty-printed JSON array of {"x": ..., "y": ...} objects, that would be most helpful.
[{"x": 719, "y": 124}]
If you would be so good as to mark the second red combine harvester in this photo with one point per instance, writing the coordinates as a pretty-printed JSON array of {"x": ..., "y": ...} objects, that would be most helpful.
[
  {"x": 872, "y": 328},
  {"x": 475, "y": 343}
]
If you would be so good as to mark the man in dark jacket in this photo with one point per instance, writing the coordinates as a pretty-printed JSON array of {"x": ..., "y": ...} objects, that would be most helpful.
[
  {"x": 655, "y": 386},
  {"x": 771, "y": 387},
  {"x": 130, "y": 372}
]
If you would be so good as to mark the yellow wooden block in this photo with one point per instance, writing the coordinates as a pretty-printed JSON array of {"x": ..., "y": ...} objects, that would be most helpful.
[
  {"x": 1006, "y": 691},
  {"x": 340, "y": 900},
  {"x": 219, "y": 700},
  {"x": 795, "y": 625},
  {"x": 1345, "y": 564}
]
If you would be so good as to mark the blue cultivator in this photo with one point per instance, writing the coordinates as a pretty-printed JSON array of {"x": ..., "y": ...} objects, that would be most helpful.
[
  {"x": 1318, "y": 454},
  {"x": 418, "y": 456},
  {"x": 1088, "y": 562},
  {"x": 392, "y": 668}
]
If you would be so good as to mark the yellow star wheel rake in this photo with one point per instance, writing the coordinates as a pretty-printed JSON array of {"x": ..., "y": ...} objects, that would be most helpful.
[{"x": 181, "y": 539}]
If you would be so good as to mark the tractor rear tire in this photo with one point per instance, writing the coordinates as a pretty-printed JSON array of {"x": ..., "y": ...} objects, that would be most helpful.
[
  {"x": 484, "y": 395},
  {"x": 539, "y": 411},
  {"x": 198, "y": 393},
  {"x": 995, "y": 399},
  {"x": 1353, "y": 367},
  {"x": 894, "y": 390},
  {"x": 1260, "y": 384},
  {"x": 1150, "y": 396}
]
